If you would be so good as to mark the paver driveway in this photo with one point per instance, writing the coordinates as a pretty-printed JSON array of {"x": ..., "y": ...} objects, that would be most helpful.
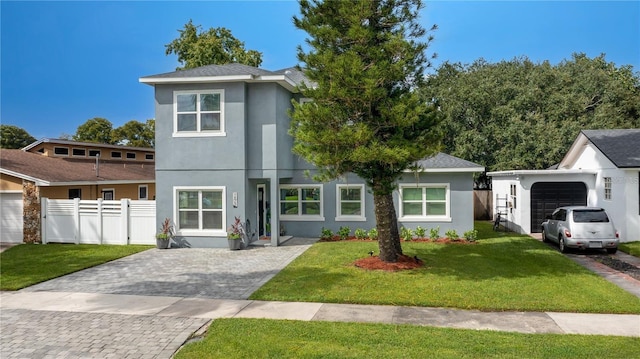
[{"x": 185, "y": 272}]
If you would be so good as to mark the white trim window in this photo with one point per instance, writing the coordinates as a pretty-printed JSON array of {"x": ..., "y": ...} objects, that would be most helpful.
[
  {"x": 607, "y": 188},
  {"x": 200, "y": 211},
  {"x": 350, "y": 202},
  {"x": 514, "y": 198},
  {"x": 425, "y": 202},
  {"x": 143, "y": 192},
  {"x": 108, "y": 194},
  {"x": 198, "y": 113},
  {"x": 301, "y": 203}
]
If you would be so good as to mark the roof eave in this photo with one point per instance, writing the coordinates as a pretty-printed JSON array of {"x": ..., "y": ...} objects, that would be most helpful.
[
  {"x": 199, "y": 79},
  {"x": 37, "y": 181},
  {"x": 447, "y": 170},
  {"x": 540, "y": 172}
]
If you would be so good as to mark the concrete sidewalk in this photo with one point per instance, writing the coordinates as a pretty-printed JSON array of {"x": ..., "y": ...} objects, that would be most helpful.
[{"x": 206, "y": 309}]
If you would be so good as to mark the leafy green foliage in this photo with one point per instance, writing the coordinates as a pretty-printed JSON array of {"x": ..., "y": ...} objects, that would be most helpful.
[
  {"x": 344, "y": 232},
  {"x": 406, "y": 233},
  {"x": 373, "y": 234},
  {"x": 360, "y": 233},
  {"x": 522, "y": 115},
  {"x": 13, "y": 137},
  {"x": 97, "y": 129},
  {"x": 434, "y": 233},
  {"x": 420, "y": 232},
  {"x": 451, "y": 235},
  {"x": 326, "y": 233},
  {"x": 136, "y": 134},
  {"x": 366, "y": 59},
  {"x": 215, "y": 46},
  {"x": 471, "y": 235}
]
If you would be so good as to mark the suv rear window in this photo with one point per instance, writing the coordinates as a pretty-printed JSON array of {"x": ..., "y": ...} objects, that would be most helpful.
[{"x": 592, "y": 215}]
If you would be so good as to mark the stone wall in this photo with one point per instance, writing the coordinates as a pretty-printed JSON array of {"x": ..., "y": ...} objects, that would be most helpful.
[{"x": 31, "y": 212}]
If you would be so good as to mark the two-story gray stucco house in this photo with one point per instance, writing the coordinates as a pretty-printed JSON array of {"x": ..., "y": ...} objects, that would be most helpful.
[{"x": 223, "y": 150}]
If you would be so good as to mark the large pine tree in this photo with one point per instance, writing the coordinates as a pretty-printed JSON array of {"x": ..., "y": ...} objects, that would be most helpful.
[{"x": 366, "y": 59}]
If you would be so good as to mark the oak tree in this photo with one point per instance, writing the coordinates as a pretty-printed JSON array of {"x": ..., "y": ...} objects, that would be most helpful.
[{"x": 13, "y": 137}]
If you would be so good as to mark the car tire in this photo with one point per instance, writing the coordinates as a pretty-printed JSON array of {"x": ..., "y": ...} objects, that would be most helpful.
[
  {"x": 544, "y": 237},
  {"x": 612, "y": 250},
  {"x": 563, "y": 248}
]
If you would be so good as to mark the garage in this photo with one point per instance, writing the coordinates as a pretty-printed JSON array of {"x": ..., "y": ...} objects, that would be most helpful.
[
  {"x": 547, "y": 196},
  {"x": 11, "y": 217}
]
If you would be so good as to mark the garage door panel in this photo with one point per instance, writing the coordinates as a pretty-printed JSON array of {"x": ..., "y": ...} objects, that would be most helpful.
[
  {"x": 11, "y": 217},
  {"x": 547, "y": 196}
]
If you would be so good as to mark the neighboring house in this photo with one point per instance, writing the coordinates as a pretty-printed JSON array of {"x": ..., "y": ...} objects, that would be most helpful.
[
  {"x": 602, "y": 168},
  {"x": 224, "y": 151},
  {"x": 62, "y": 169}
]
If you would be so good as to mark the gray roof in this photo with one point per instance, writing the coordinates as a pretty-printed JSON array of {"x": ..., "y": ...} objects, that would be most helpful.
[
  {"x": 215, "y": 70},
  {"x": 293, "y": 74},
  {"x": 622, "y": 147},
  {"x": 445, "y": 161}
]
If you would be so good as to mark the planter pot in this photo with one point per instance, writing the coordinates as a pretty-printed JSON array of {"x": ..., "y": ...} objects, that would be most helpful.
[
  {"x": 162, "y": 243},
  {"x": 234, "y": 244}
]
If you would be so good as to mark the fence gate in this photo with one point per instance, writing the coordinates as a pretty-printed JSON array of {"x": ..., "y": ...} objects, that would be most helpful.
[{"x": 98, "y": 221}]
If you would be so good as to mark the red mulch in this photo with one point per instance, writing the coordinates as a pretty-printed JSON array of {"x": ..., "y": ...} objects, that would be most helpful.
[
  {"x": 439, "y": 240},
  {"x": 374, "y": 263}
]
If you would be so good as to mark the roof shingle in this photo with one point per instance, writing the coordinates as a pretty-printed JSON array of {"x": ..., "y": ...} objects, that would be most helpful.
[{"x": 621, "y": 146}]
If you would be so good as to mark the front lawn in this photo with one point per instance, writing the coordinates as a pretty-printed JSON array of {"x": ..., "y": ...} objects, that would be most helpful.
[
  {"x": 28, "y": 264},
  {"x": 506, "y": 272},
  {"x": 632, "y": 248},
  {"x": 262, "y": 338}
]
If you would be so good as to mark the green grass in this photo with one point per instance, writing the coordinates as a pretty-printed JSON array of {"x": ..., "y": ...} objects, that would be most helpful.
[
  {"x": 261, "y": 338},
  {"x": 507, "y": 272},
  {"x": 28, "y": 264},
  {"x": 632, "y": 248}
]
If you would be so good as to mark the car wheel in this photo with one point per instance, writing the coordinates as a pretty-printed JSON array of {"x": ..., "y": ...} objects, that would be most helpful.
[
  {"x": 612, "y": 250},
  {"x": 544, "y": 237},
  {"x": 563, "y": 248}
]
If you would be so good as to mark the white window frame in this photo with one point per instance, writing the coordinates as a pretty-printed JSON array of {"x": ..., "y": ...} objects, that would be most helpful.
[
  {"x": 113, "y": 193},
  {"x": 135, "y": 156},
  {"x": 513, "y": 190},
  {"x": 96, "y": 151},
  {"x": 608, "y": 184},
  {"x": 198, "y": 132},
  {"x": 302, "y": 217},
  {"x": 146, "y": 191},
  {"x": 61, "y": 148},
  {"x": 425, "y": 218},
  {"x": 339, "y": 216},
  {"x": 200, "y": 232},
  {"x": 147, "y": 155},
  {"x": 78, "y": 149},
  {"x": 116, "y": 157}
]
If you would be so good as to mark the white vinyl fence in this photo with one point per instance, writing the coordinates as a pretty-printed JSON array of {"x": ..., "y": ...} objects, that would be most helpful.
[{"x": 98, "y": 221}]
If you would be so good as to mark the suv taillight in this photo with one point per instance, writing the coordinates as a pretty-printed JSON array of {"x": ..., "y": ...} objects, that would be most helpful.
[
  {"x": 617, "y": 234},
  {"x": 567, "y": 233}
]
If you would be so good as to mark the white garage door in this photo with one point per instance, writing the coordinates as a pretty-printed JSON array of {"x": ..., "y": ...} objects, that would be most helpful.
[{"x": 11, "y": 217}]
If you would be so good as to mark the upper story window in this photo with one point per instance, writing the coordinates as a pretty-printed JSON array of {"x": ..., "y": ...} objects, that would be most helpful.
[
  {"x": 424, "y": 202},
  {"x": 148, "y": 156},
  {"x": 350, "y": 202},
  {"x": 131, "y": 155},
  {"x": 94, "y": 153},
  {"x": 301, "y": 202},
  {"x": 116, "y": 154},
  {"x": 79, "y": 152},
  {"x": 607, "y": 188},
  {"x": 61, "y": 151},
  {"x": 198, "y": 113}
]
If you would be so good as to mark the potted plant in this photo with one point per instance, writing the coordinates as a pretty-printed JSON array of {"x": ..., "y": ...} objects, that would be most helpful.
[
  {"x": 163, "y": 238},
  {"x": 234, "y": 234}
]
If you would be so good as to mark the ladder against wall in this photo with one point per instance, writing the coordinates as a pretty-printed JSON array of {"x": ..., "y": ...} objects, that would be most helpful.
[{"x": 501, "y": 211}]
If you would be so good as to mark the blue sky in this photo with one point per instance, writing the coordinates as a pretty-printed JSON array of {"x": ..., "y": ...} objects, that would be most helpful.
[{"x": 63, "y": 63}]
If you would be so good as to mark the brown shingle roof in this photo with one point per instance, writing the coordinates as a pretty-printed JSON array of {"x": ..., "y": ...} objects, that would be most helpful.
[{"x": 57, "y": 170}]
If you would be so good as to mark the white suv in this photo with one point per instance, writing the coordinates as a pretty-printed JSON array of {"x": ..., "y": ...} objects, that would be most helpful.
[{"x": 580, "y": 227}]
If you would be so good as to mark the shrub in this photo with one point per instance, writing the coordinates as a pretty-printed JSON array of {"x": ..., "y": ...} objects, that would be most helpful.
[
  {"x": 373, "y": 234},
  {"x": 326, "y": 233},
  {"x": 360, "y": 233},
  {"x": 420, "y": 232},
  {"x": 344, "y": 232},
  {"x": 434, "y": 233},
  {"x": 406, "y": 233},
  {"x": 451, "y": 235},
  {"x": 471, "y": 235}
]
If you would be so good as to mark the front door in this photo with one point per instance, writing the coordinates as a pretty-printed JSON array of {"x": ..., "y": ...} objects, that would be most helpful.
[{"x": 261, "y": 210}]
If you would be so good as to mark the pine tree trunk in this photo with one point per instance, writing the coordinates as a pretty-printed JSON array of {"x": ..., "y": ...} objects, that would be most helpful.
[{"x": 387, "y": 225}]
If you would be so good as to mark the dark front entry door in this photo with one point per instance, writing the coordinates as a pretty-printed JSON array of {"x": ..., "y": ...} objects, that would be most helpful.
[
  {"x": 547, "y": 196},
  {"x": 260, "y": 211}
]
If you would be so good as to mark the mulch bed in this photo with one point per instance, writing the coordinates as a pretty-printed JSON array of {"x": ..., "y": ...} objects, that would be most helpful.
[
  {"x": 374, "y": 263},
  {"x": 618, "y": 265},
  {"x": 423, "y": 240}
]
